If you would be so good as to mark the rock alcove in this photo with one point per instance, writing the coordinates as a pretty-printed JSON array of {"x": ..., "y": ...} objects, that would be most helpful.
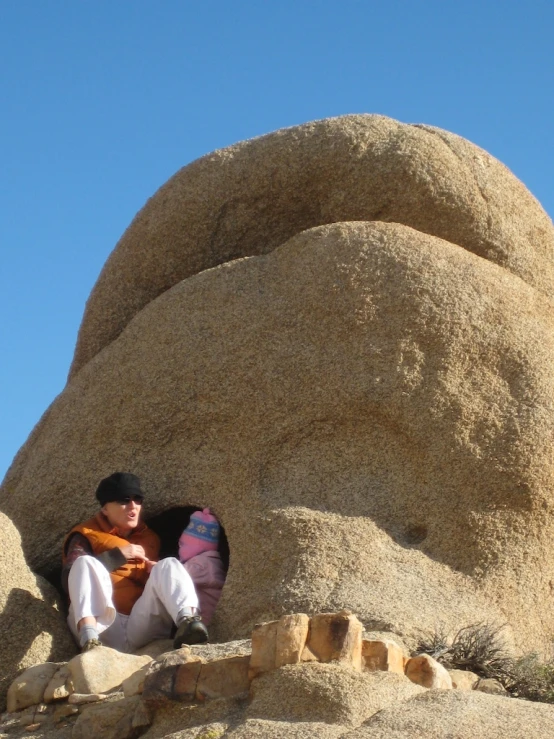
[
  {"x": 170, "y": 524},
  {"x": 340, "y": 337}
]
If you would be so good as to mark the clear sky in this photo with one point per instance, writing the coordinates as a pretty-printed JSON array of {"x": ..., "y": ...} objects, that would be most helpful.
[{"x": 102, "y": 100}]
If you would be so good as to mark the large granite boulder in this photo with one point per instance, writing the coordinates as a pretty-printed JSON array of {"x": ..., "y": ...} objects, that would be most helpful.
[
  {"x": 367, "y": 406},
  {"x": 32, "y": 627},
  {"x": 250, "y": 198},
  {"x": 452, "y": 714}
]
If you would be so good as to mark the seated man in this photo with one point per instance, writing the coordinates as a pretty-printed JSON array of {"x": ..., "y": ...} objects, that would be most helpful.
[{"x": 120, "y": 596}]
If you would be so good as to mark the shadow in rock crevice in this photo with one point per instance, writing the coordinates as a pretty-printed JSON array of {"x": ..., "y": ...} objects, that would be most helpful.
[{"x": 24, "y": 618}]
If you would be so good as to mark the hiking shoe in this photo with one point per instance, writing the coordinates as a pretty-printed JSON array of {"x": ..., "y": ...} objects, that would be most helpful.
[
  {"x": 90, "y": 644},
  {"x": 190, "y": 631}
]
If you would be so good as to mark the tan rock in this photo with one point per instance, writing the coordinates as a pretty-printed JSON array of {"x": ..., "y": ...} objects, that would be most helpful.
[
  {"x": 142, "y": 718},
  {"x": 333, "y": 693},
  {"x": 223, "y": 678},
  {"x": 60, "y": 685},
  {"x": 102, "y": 669},
  {"x": 426, "y": 671},
  {"x": 134, "y": 684},
  {"x": 186, "y": 681},
  {"x": 290, "y": 640},
  {"x": 64, "y": 710},
  {"x": 459, "y": 714},
  {"x": 297, "y": 554},
  {"x": 356, "y": 167},
  {"x": 336, "y": 637},
  {"x": 34, "y": 630},
  {"x": 79, "y": 699},
  {"x": 308, "y": 655},
  {"x": 382, "y": 654},
  {"x": 463, "y": 679},
  {"x": 490, "y": 686},
  {"x": 156, "y": 648},
  {"x": 254, "y": 728},
  {"x": 264, "y": 644},
  {"x": 28, "y": 688},
  {"x": 110, "y": 720},
  {"x": 161, "y": 677},
  {"x": 395, "y": 443},
  {"x": 210, "y": 651}
]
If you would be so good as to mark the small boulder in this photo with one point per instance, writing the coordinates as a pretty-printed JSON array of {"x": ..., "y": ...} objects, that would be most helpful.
[
  {"x": 223, "y": 678},
  {"x": 122, "y": 719},
  {"x": 134, "y": 684},
  {"x": 186, "y": 680},
  {"x": 491, "y": 686},
  {"x": 167, "y": 675},
  {"x": 426, "y": 671},
  {"x": 463, "y": 679},
  {"x": 79, "y": 699},
  {"x": 292, "y": 633},
  {"x": 60, "y": 685},
  {"x": 383, "y": 655},
  {"x": 102, "y": 669},
  {"x": 28, "y": 688},
  {"x": 336, "y": 637},
  {"x": 264, "y": 640}
]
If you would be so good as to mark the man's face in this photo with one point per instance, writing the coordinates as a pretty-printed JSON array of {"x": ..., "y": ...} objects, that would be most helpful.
[{"x": 124, "y": 514}]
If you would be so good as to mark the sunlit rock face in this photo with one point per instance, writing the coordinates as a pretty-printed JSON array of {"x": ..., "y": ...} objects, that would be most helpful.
[
  {"x": 32, "y": 626},
  {"x": 338, "y": 336}
]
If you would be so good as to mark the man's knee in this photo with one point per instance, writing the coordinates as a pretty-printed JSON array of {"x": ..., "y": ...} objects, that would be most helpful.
[
  {"x": 85, "y": 567},
  {"x": 84, "y": 562},
  {"x": 171, "y": 568},
  {"x": 169, "y": 564}
]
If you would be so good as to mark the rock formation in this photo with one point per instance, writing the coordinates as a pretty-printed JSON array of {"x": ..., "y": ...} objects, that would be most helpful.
[
  {"x": 32, "y": 627},
  {"x": 297, "y": 677},
  {"x": 339, "y": 337}
]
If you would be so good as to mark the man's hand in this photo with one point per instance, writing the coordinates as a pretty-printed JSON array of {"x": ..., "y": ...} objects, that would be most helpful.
[
  {"x": 149, "y": 564},
  {"x": 134, "y": 551}
]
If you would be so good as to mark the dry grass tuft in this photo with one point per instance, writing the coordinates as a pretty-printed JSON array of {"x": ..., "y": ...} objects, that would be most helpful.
[{"x": 482, "y": 649}]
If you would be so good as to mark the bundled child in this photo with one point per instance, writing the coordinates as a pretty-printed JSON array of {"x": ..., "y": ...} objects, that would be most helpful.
[{"x": 198, "y": 551}]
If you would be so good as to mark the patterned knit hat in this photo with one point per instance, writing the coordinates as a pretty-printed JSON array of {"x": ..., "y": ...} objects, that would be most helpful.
[{"x": 201, "y": 535}]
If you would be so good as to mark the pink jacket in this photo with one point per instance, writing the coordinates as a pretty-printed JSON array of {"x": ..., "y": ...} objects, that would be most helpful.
[{"x": 208, "y": 575}]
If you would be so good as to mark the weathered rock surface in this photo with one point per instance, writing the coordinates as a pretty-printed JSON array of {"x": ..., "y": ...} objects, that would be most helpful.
[
  {"x": 383, "y": 654},
  {"x": 463, "y": 679},
  {"x": 340, "y": 338},
  {"x": 453, "y": 714},
  {"x": 102, "y": 669},
  {"x": 329, "y": 693},
  {"x": 345, "y": 388},
  {"x": 254, "y": 728},
  {"x": 58, "y": 686},
  {"x": 426, "y": 671},
  {"x": 250, "y": 198},
  {"x": 32, "y": 627},
  {"x": 491, "y": 686},
  {"x": 122, "y": 719},
  {"x": 28, "y": 688}
]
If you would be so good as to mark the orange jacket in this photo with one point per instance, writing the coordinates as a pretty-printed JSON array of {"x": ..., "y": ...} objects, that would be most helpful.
[{"x": 128, "y": 580}]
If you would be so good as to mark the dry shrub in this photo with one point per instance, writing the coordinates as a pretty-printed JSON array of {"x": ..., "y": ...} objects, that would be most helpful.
[{"x": 482, "y": 649}]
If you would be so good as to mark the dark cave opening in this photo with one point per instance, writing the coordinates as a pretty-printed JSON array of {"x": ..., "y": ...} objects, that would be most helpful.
[{"x": 169, "y": 526}]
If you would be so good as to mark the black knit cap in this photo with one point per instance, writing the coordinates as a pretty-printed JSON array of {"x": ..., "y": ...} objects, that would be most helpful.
[{"x": 118, "y": 486}]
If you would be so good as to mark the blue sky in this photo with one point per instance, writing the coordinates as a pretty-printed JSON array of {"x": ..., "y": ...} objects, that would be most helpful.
[{"x": 103, "y": 100}]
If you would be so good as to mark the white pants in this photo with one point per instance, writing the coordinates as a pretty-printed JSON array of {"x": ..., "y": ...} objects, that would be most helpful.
[{"x": 168, "y": 595}]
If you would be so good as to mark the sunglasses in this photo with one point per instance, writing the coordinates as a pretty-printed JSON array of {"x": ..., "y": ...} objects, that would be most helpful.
[{"x": 128, "y": 498}]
